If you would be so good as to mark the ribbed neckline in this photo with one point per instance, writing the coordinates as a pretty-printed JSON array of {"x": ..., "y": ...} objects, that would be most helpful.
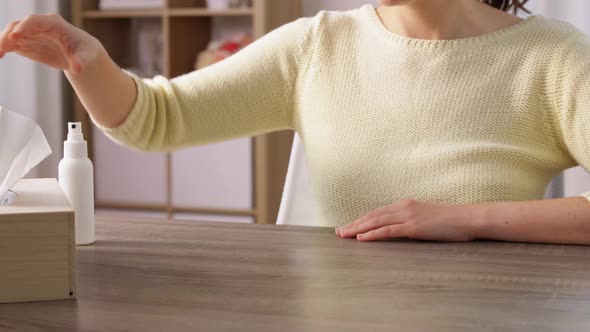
[{"x": 441, "y": 43}]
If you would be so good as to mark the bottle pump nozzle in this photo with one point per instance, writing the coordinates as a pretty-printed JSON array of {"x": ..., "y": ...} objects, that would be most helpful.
[
  {"x": 75, "y": 146},
  {"x": 75, "y": 132}
]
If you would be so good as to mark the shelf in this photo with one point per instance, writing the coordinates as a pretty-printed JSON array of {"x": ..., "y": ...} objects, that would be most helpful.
[
  {"x": 174, "y": 12},
  {"x": 123, "y": 13},
  {"x": 174, "y": 209}
]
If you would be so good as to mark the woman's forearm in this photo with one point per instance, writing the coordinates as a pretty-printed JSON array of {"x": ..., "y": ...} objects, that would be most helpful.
[
  {"x": 106, "y": 92},
  {"x": 565, "y": 220}
]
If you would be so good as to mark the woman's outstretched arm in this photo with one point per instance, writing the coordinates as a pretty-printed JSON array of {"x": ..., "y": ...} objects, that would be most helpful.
[{"x": 251, "y": 93}]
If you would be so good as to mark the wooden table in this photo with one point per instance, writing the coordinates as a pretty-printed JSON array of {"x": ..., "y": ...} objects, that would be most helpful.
[{"x": 155, "y": 275}]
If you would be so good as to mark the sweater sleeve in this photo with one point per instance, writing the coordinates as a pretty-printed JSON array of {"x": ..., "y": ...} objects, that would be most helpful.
[
  {"x": 248, "y": 94},
  {"x": 573, "y": 116}
]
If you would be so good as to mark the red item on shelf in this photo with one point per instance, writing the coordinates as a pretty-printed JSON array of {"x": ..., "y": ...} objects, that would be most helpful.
[
  {"x": 231, "y": 47},
  {"x": 220, "y": 50}
]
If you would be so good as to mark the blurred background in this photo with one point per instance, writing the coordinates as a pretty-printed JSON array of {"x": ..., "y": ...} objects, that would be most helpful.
[{"x": 238, "y": 181}]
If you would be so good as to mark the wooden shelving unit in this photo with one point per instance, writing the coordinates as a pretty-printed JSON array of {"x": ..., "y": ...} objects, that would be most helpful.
[{"x": 113, "y": 28}]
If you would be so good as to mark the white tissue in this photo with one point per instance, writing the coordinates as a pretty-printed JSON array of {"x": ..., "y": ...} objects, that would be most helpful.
[{"x": 22, "y": 147}]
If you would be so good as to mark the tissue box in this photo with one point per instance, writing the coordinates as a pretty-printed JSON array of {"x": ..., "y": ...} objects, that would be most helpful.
[{"x": 37, "y": 244}]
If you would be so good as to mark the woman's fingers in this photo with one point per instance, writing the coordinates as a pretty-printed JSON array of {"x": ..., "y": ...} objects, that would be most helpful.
[
  {"x": 370, "y": 224},
  {"x": 44, "y": 38},
  {"x": 387, "y": 232},
  {"x": 50, "y": 40},
  {"x": 37, "y": 23},
  {"x": 43, "y": 50},
  {"x": 370, "y": 215},
  {"x": 7, "y": 44},
  {"x": 46, "y": 26}
]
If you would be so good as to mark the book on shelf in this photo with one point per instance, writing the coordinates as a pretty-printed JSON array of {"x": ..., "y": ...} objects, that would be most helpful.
[{"x": 130, "y": 4}]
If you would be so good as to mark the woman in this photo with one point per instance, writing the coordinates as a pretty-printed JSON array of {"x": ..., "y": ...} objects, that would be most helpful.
[{"x": 426, "y": 119}]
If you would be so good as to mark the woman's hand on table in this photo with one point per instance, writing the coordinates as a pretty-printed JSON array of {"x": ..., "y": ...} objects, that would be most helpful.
[{"x": 415, "y": 219}]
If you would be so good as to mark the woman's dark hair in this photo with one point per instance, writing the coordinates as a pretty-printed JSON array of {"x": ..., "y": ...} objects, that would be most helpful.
[{"x": 508, "y": 5}]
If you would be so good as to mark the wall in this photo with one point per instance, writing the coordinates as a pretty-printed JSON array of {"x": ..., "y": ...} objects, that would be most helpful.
[
  {"x": 573, "y": 11},
  {"x": 32, "y": 89}
]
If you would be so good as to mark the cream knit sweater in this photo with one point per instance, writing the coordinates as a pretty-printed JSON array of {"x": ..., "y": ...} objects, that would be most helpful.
[{"x": 384, "y": 117}]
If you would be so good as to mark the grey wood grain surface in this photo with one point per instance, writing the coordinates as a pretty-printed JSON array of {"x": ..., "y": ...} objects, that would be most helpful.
[{"x": 156, "y": 275}]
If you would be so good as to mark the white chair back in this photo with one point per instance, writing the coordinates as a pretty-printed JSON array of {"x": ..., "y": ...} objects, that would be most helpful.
[{"x": 298, "y": 205}]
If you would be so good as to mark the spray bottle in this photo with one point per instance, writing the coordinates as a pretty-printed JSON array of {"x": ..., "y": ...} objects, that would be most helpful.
[{"x": 76, "y": 177}]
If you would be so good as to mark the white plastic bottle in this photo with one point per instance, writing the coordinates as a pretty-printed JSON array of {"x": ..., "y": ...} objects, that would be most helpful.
[{"x": 76, "y": 177}]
